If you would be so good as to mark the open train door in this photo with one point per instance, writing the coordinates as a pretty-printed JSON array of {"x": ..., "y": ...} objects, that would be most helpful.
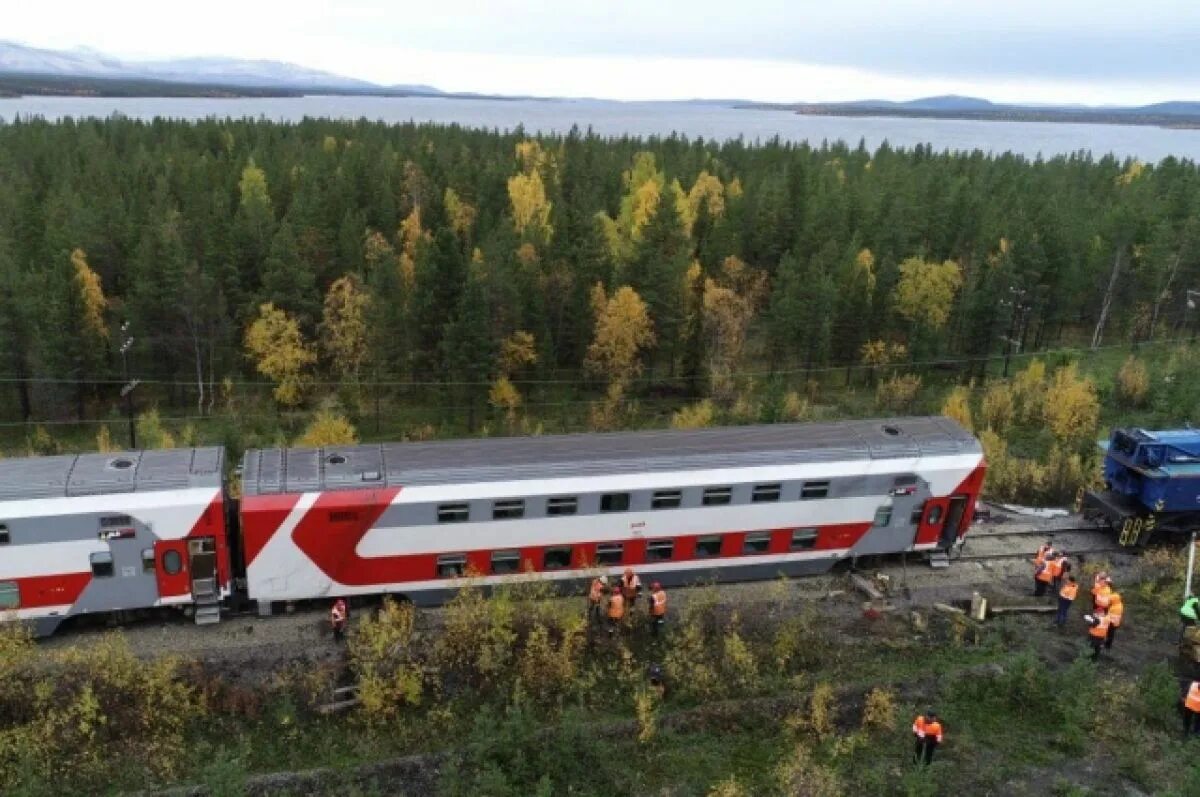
[
  {"x": 171, "y": 570},
  {"x": 956, "y": 506}
]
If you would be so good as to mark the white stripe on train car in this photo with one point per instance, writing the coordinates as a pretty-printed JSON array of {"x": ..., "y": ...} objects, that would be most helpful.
[
  {"x": 49, "y": 558},
  {"x": 171, "y": 513},
  {"x": 281, "y": 567}
]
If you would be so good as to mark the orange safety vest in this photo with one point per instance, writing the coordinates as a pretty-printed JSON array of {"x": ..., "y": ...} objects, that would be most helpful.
[
  {"x": 616, "y": 606},
  {"x": 1046, "y": 574},
  {"x": 659, "y": 607},
  {"x": 1042, "y": 552},
  {"x": 1102, "y": 596},
  {"x": 1116, "y": 610},
  {"x": 1069, "y": 591},
  {"x": 1192, "y": 702},
  {"x": 934, "y": 729},
  {"x": 1100, "y": 629},
  {"x": 919, "y": 726},
  {"x": 597, "y": 591},
  {"x": 630, "y": 586}
]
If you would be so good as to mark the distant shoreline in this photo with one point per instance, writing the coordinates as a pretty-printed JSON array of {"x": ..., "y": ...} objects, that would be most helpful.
[{"x": 1003, "y": 114}]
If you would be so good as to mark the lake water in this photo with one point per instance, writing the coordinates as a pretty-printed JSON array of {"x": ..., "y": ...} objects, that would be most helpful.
[{"x": 650, "y": 118}]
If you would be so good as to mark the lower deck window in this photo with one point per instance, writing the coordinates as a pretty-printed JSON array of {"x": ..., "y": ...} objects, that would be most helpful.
[
  {"x": 147, "y": 560},
  {"x": 804, "y": 539},
  {"x": 708, "y": 546},
  {"x": 883, "y": 516},
  {"x": 658, "y": 550},
  {"x": 102, "y": 564},
  {"x": 506, "y": 562},
  {"x": 4, "y": 538},
  {"x": 757, "y": 542},
  {"x": 610, "y": 553},
  {"x": 557, "y": 558},
  {"x": 451, "y": 565},
  {"x": 10, "y": 595}
]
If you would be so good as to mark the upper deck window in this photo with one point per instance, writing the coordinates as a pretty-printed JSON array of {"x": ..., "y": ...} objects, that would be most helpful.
[
  {"x": 614, "y": 502},
  {"x": 4, "y": 536}
]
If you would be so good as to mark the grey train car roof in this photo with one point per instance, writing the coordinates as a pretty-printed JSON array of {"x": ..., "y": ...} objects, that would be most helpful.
[
  {"x": 100, "y": 474},
  {"x": 276, "y": 470}
]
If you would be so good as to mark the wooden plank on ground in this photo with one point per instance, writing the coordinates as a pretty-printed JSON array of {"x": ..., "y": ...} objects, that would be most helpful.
[
  {"x": 1023, "y": 609},
  {"x": 865, "y": 587}
]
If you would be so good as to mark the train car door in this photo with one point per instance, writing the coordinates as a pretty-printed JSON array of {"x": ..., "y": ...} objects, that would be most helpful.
[
  {"x": 957, "y": 505},
  {"x": 202, "y": 561},
  {"x": 172, "y": 571}
]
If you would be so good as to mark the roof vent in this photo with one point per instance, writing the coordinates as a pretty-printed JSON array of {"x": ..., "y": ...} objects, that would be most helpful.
[
  {"x": 336, "y": 459},
  {"x": 120, "y": 463},
  {"x": 892, "y": 430}
]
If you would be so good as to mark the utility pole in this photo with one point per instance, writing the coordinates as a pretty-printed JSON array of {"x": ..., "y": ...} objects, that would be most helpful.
[
  {"x": 1016, "y": 323},
  {"x": 127, "y": 388}
]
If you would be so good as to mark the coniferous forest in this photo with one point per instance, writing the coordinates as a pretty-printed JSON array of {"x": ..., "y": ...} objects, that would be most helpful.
[{"x": 422, "y": 279}]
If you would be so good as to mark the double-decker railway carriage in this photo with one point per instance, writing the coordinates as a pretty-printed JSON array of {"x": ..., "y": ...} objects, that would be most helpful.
[
  {"x": 731, "y": 503},
  {"x": 112, "y": 533},
  {"x": 1151, "y": 484}
]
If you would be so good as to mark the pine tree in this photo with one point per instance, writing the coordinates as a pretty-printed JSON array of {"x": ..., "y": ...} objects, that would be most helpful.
[{"x": 468, "y": 347}]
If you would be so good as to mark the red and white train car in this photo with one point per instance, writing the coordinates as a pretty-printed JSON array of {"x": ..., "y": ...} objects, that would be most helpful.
[
  {"x": 730, "y": 503},
  {"x": 112, "y": 533}
]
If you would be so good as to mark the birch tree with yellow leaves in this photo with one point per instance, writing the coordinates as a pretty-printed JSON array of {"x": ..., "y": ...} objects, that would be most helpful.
[
  {"x": 623, "y": 331},
  {"x": 280, "y": 353}
]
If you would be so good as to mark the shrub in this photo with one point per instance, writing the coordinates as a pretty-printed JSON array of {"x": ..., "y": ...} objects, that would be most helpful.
[
  {"x": 879, "y": 710},
  {"x": 548, "y": 669},
  {"x": 738, "y": 661},
  {"x": 645, "y": 705},
  {"x": 821, "y": 711},
  {"x": 328, "y": 428},
  {"x": 958, "y": 406},
  {"x": 389, "y": 678},
  {"x": 477, "y": 642},
  {"x": 1072, "y": 408},
  {"x": 728, "y": 788},
  {"x": 1133, "y": 383},
  {"x": 1029, "y": 391},
  {"x": 898, "y": 393},
  {"x": 801, "y": 774},
  {"x": 694, "y": 416},
  {"x": 795, "y": 408},
  {"x": 150, "y": 431},
  {"x": 999, "y": 407}
]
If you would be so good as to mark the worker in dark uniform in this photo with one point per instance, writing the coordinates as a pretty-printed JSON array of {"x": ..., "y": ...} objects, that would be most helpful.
[{"x": 338, "y": 616}]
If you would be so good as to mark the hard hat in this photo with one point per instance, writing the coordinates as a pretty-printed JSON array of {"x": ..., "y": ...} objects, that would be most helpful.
[
  {"x": 629, "y": 571},
  {"x": 656, "y": 585}
]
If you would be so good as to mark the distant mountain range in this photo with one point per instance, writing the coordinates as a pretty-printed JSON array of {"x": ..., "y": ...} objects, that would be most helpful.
[{"x": 231, "y": 73}]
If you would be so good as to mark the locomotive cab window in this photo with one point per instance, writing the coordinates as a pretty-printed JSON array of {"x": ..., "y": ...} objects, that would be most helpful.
[
  {"x": 147, "y": 560},
  {"x": 757, "y": 542},
  {"x": 506, "y": 562},
  {"x": 172, "y": 563},
  {"x": 935, "y": 516},
  {"x": 666, "y": 499},
  {"x": 102, "y": 564},
  {"x": 557, "y": 558},
  {"x": 717, "y": 496},
  {"x": 563, "y": 505},
  {"x": 708, "y": 546},
  {"x": 610, "y": 553},
  {"x": 454, "y": 513},
  {"x": 804, "y": 539},
  {"x": 10, "y": 595},
  {"x": 614, "y": 502},
  {"x": 4, "y": 536},
  {"x": 508, "y": 509},
  {"x": 812, "y": 490},
  {"x": 883, "y": 516},
  {"x": 451, "y": 565},
  {"x": 660, "y": 550},
  {"x": 766, "y": 492}
]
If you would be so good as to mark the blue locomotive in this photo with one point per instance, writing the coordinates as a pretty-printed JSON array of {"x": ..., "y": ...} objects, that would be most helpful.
[{"x": 1151, "y": 484}]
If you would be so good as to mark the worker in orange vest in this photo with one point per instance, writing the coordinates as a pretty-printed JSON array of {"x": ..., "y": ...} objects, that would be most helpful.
[
  {"x": 927, "y": 731},
  {"x": 1043, "y": 578},
  {"x": 1098, "y": 631},
  {"x": 616, "y": 611},
  {"x": 1066, "y": 596},
  {"x": 337, "y": 619},
  {"x": 1044, "y": 550},
  {"x": 1191, "y": 710},
  {"x": 595, "y": 597},
  {"x": 658, "y": 608},
  {"x": 1062, "y": 568},
  {"x": 1116, "y": 613},
  {"x": 631, "y": 586}
]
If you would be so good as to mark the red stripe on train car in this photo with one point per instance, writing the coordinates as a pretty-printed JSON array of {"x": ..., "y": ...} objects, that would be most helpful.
[
  {"x": 57, "y": 590},
  {"x": 262, "y": 515}
]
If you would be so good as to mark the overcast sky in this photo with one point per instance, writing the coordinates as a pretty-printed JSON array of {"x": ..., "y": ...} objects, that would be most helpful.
[{"x": 1132, "y": 51}]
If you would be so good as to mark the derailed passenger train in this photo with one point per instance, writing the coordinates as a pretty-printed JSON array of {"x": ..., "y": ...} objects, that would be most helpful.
[{"x": 130, "y": 532}]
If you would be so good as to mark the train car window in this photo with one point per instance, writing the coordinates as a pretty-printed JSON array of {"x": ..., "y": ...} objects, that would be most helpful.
[
  {"x": 112, "y": 521},
  {"x": 4, "y": 536},
  {"x": 766, "y": 492},
  {"x": 917, "y": 513},
  {"x": 506, "y": 562},
  {"x": 454, "y": 513},
  {"x": 614, "y": 502},
  {"x": 804, "y": 539},
  {"x": 666, "y": 499},
  {"x": 708, "y": 546},
  {"x": 757, "y": 542},
  {"x": 716, "y": 496},
  {"x": 102, "y": 563},
  {"x": 147, "y": 560},
  {"x": 508, "y": 509},
  {"x": 883, "y": 516},
  {"x": 660, "y": 550},
  {"x": 565, "y": 505},
  {"x": 10, "y": 595},
  {"x": 172, "y": 563},
  {"x": 557, "y": 558},
  {"x": 451, "y": 565},
  {"x": 935, "y": 516},
  {"x": 814, "y": 490}
]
